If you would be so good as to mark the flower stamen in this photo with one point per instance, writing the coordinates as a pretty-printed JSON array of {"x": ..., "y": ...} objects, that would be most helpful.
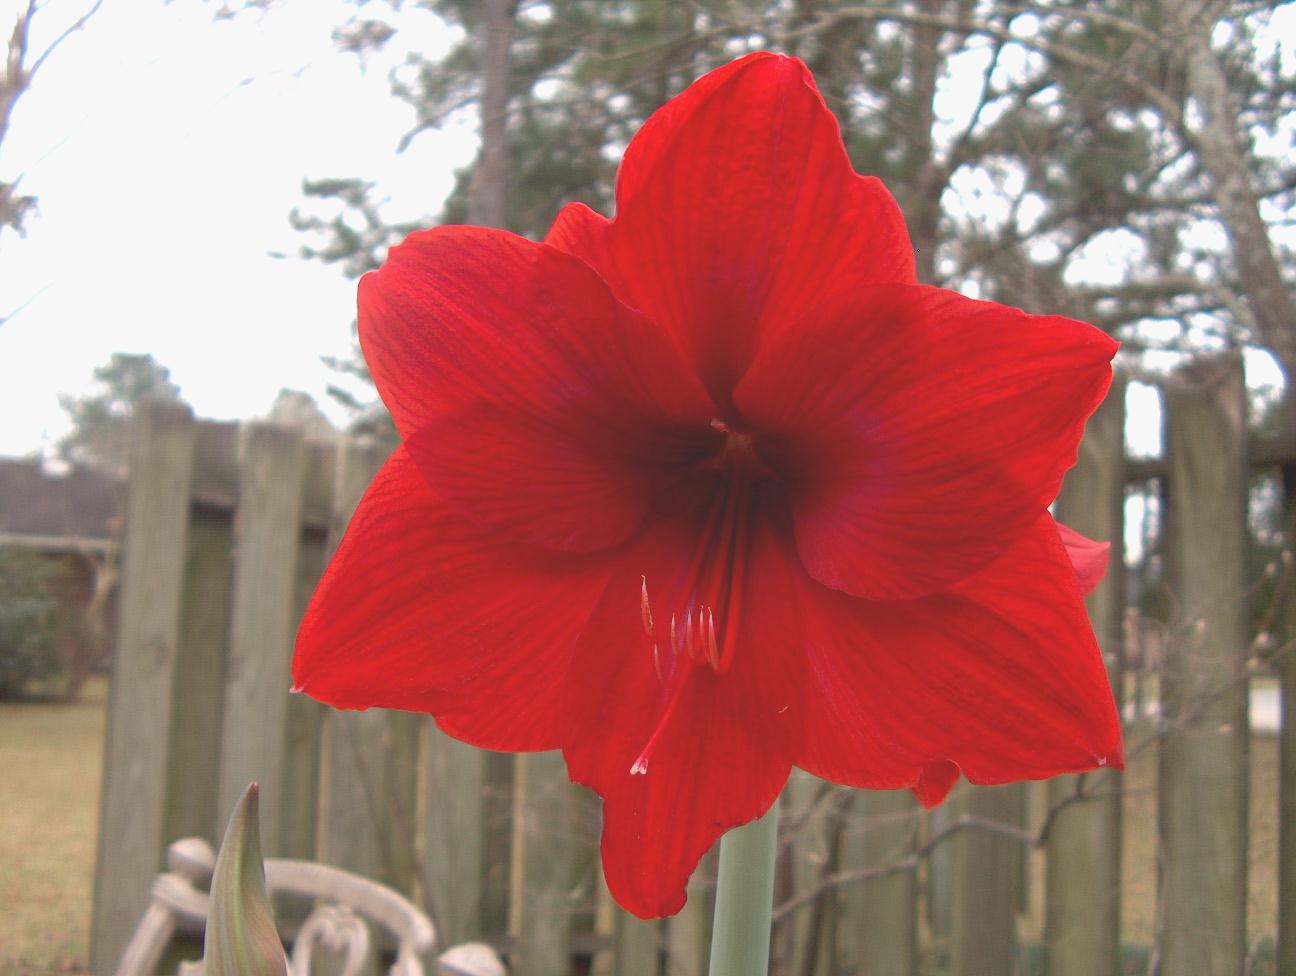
[
  {"x": 714, "y": 581},
  {"x": 644, "y": 609},
  {"x": 713, "y": 654}
]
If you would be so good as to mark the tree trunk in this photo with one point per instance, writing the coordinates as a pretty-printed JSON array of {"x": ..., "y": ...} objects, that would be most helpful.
[
  {"x": 488, "y": 192},
  {"x": 1221, "y": 149}
]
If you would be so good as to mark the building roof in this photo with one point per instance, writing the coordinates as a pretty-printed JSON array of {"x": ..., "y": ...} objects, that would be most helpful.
[{"x": 41, "y": 504}]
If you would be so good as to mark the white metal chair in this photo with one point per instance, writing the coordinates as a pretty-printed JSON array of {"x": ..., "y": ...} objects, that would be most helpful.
[{"x": 344, "y": 903}]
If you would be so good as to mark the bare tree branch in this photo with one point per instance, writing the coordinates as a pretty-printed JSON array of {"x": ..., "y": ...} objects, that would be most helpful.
[{"x": 16, "y": 81}]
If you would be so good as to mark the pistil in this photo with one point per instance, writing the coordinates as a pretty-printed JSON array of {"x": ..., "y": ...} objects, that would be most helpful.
[{"x": 713, "y": 587}]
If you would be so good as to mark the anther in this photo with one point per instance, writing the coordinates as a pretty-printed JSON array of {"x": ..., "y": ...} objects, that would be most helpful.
[
  {"x": 713, "y": 651},
  {"x": 640, "y": 765},
  {"x": 644, "y": 609}
]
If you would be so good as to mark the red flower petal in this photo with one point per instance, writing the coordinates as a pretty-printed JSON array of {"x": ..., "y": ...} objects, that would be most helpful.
[
  {"x": 1088, "y": 557},
  {"x": 528, "y": 395},
  {"x": 934, "y": 782},
  {"x": 1000, "y": 676},
  {"x": 719, "y": 754},
  {"x": 925, "y": 431},
  {"x": 420, "y": 610},
  {"x": 737, "y": 206}
]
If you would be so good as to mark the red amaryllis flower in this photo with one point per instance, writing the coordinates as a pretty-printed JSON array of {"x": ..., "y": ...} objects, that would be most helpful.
[{"x": 715, "y": 488}]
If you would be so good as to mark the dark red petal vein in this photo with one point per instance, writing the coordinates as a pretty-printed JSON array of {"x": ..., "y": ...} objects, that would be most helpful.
[
  {"x": 736, "y": 206},
  {"x": 528, "y": 395},
  {"x": 420, "y": 610},
  {"x": 1001, "y": 676},
  {"x": 923, "y": 432}
]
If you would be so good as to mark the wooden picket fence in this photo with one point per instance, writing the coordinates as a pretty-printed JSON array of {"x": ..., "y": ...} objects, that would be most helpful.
[{"x": 228, "y": 529}]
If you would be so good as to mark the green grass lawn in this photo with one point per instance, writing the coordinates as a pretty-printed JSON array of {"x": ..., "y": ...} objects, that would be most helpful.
[{"x": 50, "y": 756}]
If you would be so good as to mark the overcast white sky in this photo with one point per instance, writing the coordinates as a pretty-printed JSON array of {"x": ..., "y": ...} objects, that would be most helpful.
[{"x": 166, "y": 151}]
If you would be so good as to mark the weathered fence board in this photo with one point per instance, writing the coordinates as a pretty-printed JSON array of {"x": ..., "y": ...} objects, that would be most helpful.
[
  {"x": 639, "y": 945},
  {"x": 540, "y": 910},
  {"x": 985, "y": 879},
  {"x": 199, "y": 675},
  {"x": 1082, "y": 898},
  {"x": 1286, "y": 665},
  {"x": 257, "y": 667},
  {"x": 454, "y": 830},
  {"x": 222, "y": 551},
  {"x": 803, "y": 847},
  {"x": 1203, "y": 764},
  {"x": 135, "y": 750},
  {"x": 879, "y": 925}
]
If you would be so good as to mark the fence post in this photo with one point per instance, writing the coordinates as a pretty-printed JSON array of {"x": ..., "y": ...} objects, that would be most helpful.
[
  {"x": 1203, "y": 790},
  {"x": 540, "y": 878},
  {"x": 638, "y": 942},
  {"x": 131, "y": 842},
  {"x": 879, "y": 923},
  {"x": 1285, "y": 663},
  {"x": 985, "y": 880},
  {"x": 454, "y": 830},
  {"x": 268, "y": 525},
  {"x": 194, "y": 741},
  {"x": 1082, "y": 907},
  {"x": 810, "y": 825}
]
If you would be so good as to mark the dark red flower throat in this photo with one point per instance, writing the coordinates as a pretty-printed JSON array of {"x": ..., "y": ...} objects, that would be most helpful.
[{"x": 703, "y": 625}]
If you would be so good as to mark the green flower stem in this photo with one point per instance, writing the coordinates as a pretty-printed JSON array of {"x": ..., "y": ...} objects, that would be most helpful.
[{"x": 740, "y": 939}]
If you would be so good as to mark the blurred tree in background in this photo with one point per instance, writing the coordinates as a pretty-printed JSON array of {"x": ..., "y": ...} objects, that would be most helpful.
[
  {"x": 33, "y": 626},
  {"x": 22, "y": 63},
  {"x": 1128, "y": 164},
  {"x": 100, "y": 435}
]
